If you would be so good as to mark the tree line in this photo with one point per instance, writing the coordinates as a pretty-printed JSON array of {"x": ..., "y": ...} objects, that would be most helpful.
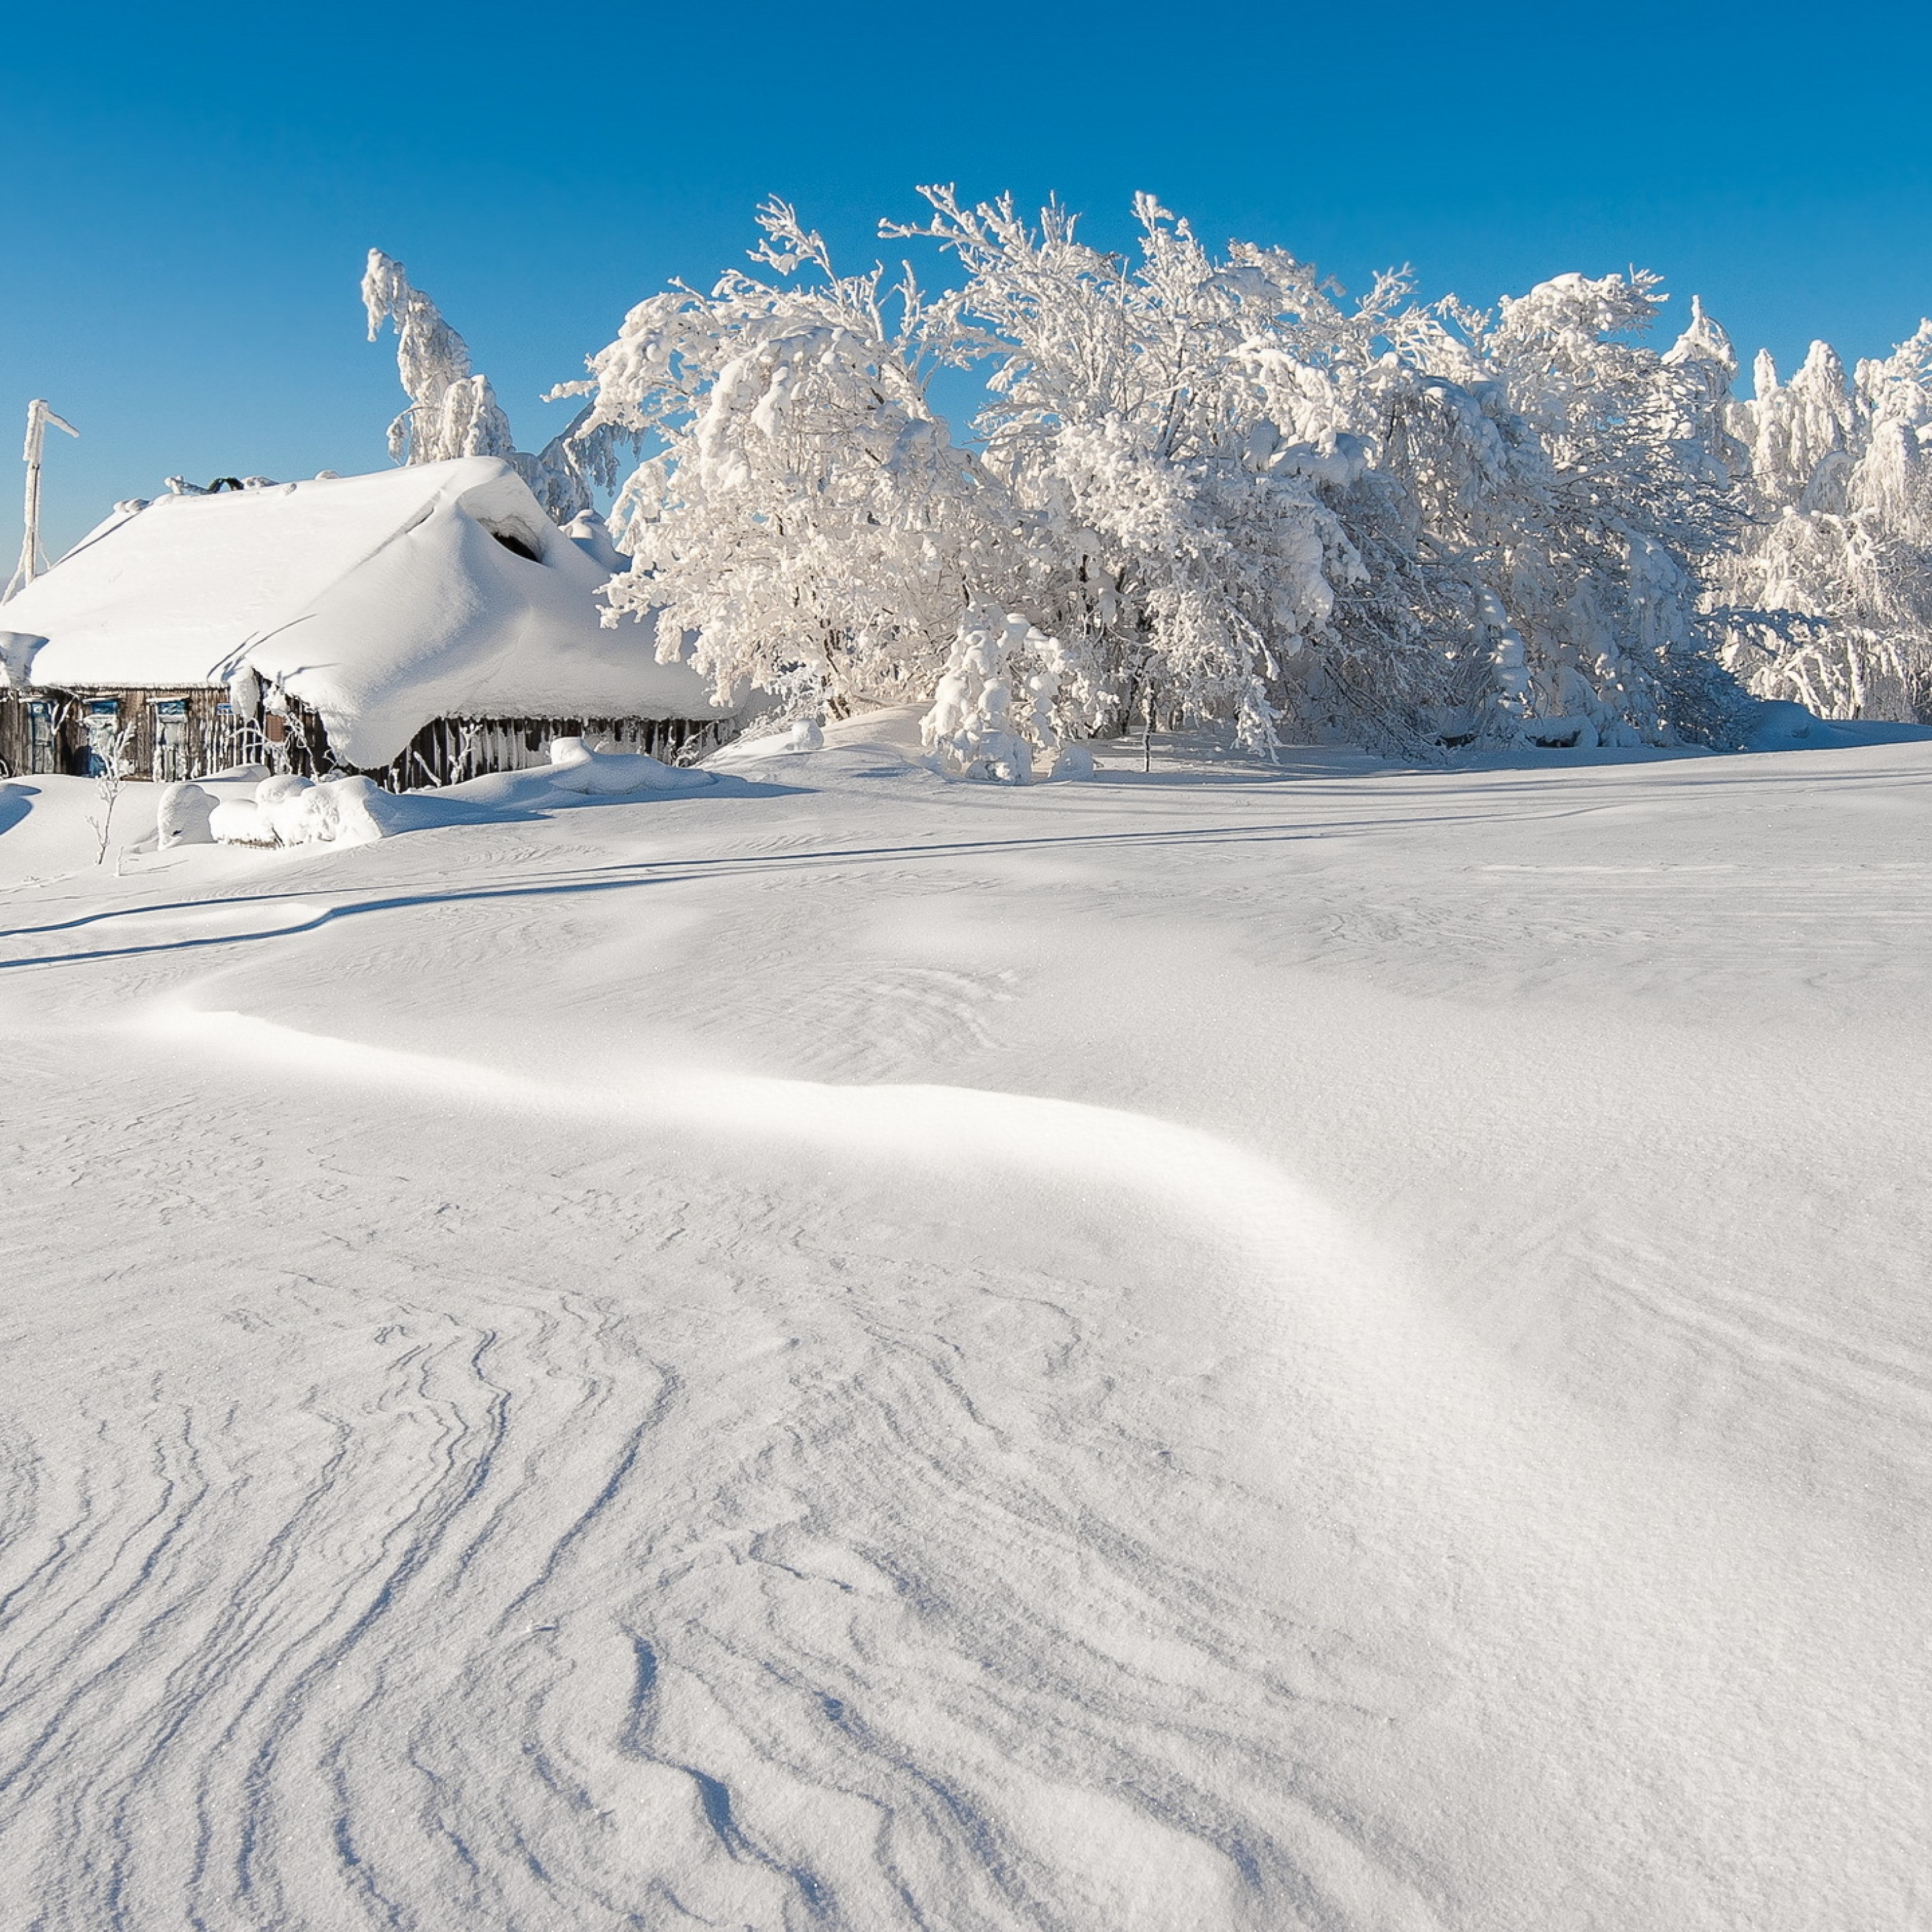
[{"x": 1203, "y": 486}]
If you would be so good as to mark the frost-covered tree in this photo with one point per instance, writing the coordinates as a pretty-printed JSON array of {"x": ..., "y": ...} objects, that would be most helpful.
[
  {"x": 453, "y": 410},
  {"x": 807, "y": 520},
  {"x": 1193, "y": 557},
  {"x": 1579, "y": 484},
  {"x": 1841, "y": 548},
  {"x": 1218, "y": 490},
  {"x": 1399, "y": 524}
]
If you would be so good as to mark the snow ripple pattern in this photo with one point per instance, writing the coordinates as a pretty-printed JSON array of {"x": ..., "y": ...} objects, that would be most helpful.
[{"x": 533, "y": 1611}]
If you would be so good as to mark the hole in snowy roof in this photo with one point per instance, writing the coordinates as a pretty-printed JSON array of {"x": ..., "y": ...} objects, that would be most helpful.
[{"x": 511, "y": 542}]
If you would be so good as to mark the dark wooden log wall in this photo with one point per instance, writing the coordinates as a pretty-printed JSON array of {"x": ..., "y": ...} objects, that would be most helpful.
[
  {"x": 204, "y": 735},
  {"x": 452, "y": 749},
  {"x": 179, "y": 733}
]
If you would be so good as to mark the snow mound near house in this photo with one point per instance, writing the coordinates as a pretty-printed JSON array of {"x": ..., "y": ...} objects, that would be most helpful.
[
  {"x": 874, "y": 748},
  {"x": 578, "y": 765},
  {"x": 381, "y": 602},
  {"x": 576, "y": 769},
  {"x": 286, "y": 810},
  {"x": 896, "y": 726}
]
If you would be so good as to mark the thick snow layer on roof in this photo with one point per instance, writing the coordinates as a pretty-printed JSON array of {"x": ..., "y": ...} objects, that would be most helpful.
[{"x": 384, "y": 602}]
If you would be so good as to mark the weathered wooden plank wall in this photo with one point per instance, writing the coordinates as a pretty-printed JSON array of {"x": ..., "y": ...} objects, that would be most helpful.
[
  {"x": 184, "y": 734},
  {"x": 451, "y": 749}
]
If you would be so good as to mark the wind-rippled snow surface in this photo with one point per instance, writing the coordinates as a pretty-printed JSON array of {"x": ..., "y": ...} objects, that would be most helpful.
[{"x": 1346, "y": 1349}]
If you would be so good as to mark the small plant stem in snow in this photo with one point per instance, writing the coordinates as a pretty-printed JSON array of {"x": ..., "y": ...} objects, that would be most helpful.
[{"x": 107, "y": 787}]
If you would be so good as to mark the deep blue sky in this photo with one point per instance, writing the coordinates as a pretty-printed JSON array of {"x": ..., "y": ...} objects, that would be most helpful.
[{"x": 190, "y": 189}]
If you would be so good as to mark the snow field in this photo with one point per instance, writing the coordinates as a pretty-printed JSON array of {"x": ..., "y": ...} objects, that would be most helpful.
[{"x": 1344, "y": 1349}]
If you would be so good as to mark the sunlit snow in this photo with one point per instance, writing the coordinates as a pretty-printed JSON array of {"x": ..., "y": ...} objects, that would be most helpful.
[{"x": 1334, "y": 1346}]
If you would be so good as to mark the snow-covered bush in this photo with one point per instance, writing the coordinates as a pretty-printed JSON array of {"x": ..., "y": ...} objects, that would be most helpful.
[
  {"x": 182, "y": 816},
  {"x": 112, "y": 767},
  {"x": 285, "y": 809},
  {"x": 993, "y": 715}
]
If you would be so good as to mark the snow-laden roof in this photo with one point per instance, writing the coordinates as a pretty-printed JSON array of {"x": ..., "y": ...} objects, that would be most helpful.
[{"x": 383, "y": 601}]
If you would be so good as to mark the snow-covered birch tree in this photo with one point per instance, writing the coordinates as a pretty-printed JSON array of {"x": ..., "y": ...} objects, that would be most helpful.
[
  {"x": 1193, "y": 557},
  {"x": 807, "y": 521},
  {"x": 453, "y": 410}
]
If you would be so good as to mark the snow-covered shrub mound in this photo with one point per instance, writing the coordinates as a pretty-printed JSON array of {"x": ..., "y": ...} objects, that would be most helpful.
[
  {"x": 992, "y": 715},
  {"x": 283, "y": 810},
  {"x": 182, "y": 816},
  {"x": 807, "y": 734},
  {"x": 576, "y": 766},
  {"x": 1776, "y": 725},
  {"x": 1782, "y": 726},
  {"x": 288, "y": 810},
  {"x": 871, "y": 751}
]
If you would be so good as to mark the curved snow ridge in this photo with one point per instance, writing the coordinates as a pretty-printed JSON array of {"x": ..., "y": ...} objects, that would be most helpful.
[
  {"x": 1245, "y": 1202},
  {"x": 527, "y": 1613},
  {"x": 826, "y": 1628}
]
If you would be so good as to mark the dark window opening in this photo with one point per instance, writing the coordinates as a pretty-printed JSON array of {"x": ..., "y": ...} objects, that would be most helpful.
[{"x": 511, "y": 542}]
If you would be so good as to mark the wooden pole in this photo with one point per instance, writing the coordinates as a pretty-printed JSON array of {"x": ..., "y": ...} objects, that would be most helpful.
[{"x": 32, "y": 561}]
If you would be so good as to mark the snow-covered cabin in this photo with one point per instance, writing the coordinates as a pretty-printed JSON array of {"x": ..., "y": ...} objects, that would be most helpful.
[{"x": 422, "y": 625}]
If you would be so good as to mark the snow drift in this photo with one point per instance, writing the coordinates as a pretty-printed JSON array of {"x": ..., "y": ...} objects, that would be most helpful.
[{"x": 248, "y": 808}]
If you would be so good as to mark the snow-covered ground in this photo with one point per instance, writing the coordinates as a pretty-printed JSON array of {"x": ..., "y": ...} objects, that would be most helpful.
[{"x": 1338, "y": 1348}]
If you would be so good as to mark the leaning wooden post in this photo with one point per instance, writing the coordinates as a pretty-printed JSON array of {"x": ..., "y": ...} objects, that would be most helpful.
[{"x": 38, "y": 417}]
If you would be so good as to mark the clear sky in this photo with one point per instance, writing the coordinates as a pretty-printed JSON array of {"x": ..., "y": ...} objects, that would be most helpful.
[{"x": 189, "y": 189}]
